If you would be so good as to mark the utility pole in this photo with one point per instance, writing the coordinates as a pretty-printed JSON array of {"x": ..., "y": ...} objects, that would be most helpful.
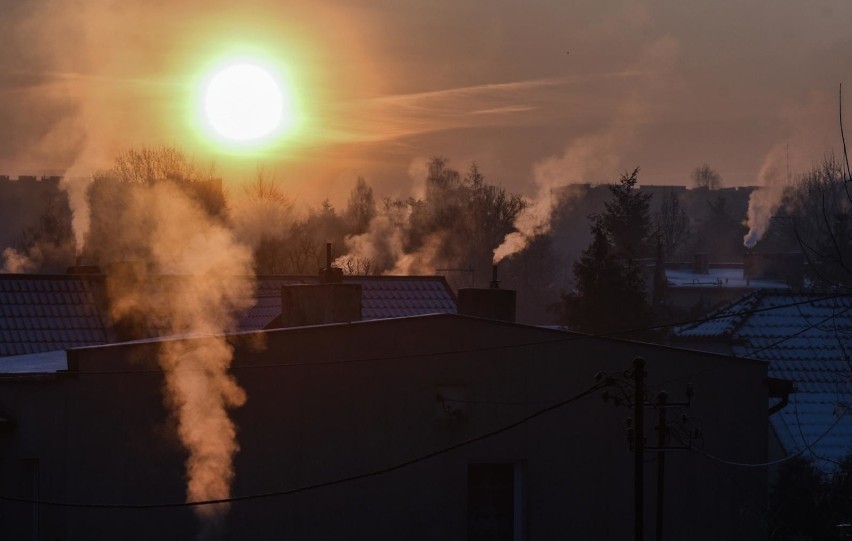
[
  {"x": 629, "y": 390},
  {"x": 662, "y": 398},
  {"x": 638, "y": 447}
]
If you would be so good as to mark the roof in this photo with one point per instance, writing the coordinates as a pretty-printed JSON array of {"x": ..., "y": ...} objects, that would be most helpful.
[
  {"x": 806, "y": 336},
  {"x": 41, "y": 313},
  {"x": 46, "y": 313},
  {"x": 381, "y": 297},
  {"x": 35, "y": 363},
  {"x": 722, "y": 277}
]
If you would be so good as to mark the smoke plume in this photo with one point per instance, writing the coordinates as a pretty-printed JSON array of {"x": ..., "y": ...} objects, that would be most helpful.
[
  {"x": 17, "y": 262},
  {"x": 810, "y": 126},
  {"x": 765, "y": 200},
  {"x": 596, "y": 156},
  {"x": 205, "y": 280}
]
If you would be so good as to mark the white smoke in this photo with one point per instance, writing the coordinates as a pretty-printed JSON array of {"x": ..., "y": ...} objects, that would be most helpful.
[
  {"x": 810, "y": 135},
  {"x": 215, "y": 283},
  {"x": 16, "y": 262},
  {"x": 595, "y": 156},
  {"x": 765, "y": 200}
]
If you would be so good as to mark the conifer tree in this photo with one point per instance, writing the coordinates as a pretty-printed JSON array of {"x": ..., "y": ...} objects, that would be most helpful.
[{"x": 610, "y": 292}]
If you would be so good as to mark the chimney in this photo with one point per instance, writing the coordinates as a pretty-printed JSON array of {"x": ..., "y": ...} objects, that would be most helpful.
[
  {"x": 318, "y": 304},
  {"x": 492, "y": 303},
  {"x": 330, "y": 301},
  {"x": 700, "y": 263},
  {"x": 79, "y": 268},
  {"x": 329, "y": 274}
]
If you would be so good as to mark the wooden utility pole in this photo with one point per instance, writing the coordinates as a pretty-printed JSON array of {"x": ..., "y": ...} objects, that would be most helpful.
[
  {"x": 630, "y": 391},
  {"x": 662, "y": 398},
  {"x": 638, "y": 447}
]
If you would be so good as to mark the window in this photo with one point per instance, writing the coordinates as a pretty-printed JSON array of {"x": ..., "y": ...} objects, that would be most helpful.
[{"x": 494, "y": 502}]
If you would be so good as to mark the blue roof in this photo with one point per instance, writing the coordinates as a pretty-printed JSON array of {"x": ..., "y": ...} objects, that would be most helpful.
[
  {"x": 806, "y": 336},
  {"x": 47, "y": 313}
]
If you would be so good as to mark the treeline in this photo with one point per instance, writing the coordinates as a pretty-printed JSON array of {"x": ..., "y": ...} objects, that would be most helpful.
[{"x": 605, "y": 245}]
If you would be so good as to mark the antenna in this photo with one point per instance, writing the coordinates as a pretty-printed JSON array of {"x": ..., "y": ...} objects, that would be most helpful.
[{"x": 787, "y": 150}]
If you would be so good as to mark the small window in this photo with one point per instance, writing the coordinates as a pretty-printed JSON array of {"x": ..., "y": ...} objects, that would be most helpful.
[{"x": 493, "y": 502}]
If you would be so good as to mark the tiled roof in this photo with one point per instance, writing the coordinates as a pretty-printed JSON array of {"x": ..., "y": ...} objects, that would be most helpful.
[
  {"x": 54, "y": 312},
  {"x": 268, "y": 304},
  {"x": 381, "y": 297},
  {"x": 47, "y": 313},
  {"x": 401, "y": 296},
  {"x": 807, "y": 338}
]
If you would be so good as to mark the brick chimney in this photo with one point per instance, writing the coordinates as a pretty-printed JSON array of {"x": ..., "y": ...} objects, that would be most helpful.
[
  {"x": 318, "y": 304},
  {"x": 491, "y": 303},
  {"x": 330, "y": 301}
]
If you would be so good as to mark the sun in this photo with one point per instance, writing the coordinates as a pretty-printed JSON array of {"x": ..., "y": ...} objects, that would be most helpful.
[{"x": 244, "y": 103}]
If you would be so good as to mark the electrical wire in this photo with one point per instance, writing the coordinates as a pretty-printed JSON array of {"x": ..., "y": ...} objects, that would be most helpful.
[
  {"x": 773, "y": 462},
  {"x": 323, "y": 484}
]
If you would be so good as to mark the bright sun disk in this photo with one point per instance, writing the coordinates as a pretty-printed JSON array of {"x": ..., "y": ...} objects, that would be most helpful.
[{"x": 243, "y": 102}]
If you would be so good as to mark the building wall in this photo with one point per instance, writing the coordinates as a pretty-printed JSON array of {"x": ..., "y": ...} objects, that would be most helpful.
[
  {"x": 362, "y": 397},
  {"x": 22, "y": 202}
]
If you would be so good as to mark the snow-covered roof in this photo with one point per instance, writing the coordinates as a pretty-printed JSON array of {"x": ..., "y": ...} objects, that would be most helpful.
[
  {"x": 719, "y": 277},
  {"x": 806, "y": 336},
  {"x": 47, "y": 362}
]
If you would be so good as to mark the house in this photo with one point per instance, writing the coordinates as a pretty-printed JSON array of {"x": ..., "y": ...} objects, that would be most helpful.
[
  {"x": 439, "y": 426},
  {"x": 806, "y": 338}
]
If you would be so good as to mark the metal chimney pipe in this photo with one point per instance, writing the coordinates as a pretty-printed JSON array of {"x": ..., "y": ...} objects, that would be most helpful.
[{"x": 495, "y": 283}]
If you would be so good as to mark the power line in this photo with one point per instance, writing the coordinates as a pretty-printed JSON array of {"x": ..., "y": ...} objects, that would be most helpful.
[
  {"x": 314, "y": 486},
  {"x": 773, "y": 462},
  {"x": 750, "y": 354}
]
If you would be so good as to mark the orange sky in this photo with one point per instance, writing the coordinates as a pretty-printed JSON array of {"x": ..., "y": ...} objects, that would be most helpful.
[{"x": 384, "y": 85}]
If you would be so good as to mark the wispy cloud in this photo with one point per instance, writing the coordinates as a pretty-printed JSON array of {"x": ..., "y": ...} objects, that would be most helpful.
[{"x": 496, "y": 104}]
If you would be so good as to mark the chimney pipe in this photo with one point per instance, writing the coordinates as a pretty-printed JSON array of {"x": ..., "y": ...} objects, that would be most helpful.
[
  {"x": 329, "y": 274},
  {"x": 495, "y": 283}
]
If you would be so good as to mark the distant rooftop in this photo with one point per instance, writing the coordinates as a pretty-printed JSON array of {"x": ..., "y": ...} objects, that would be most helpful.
[{"x": 728, "y": 276}]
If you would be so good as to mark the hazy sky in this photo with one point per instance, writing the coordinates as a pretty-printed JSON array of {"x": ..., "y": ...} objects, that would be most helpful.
[{"x": 542, "y": 89}]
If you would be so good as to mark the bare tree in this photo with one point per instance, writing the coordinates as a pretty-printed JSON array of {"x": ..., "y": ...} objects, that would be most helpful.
[
  {"x": 705, "y": 176},
  {"x": 361, "y": 208},
  {"x": 671, "y": 223},
  {"x": 265, "y": 188}
]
